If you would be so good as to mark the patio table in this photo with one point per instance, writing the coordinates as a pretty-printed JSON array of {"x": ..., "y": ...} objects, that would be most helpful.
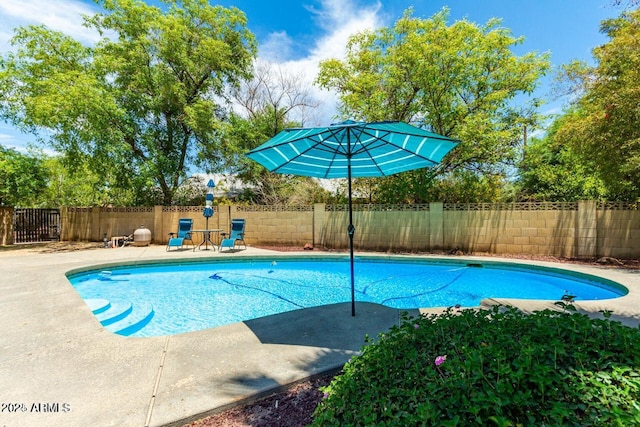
[{"x": 206, "y": 237}]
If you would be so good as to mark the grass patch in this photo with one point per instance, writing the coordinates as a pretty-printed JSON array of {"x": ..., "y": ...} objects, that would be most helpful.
[{"x": 491, "y": 367}]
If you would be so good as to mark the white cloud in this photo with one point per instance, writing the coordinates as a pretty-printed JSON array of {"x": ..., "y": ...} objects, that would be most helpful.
[
  {"x": 339, "y": 19},
  {"x": 12, "y": 138},
  {"x": 67, "y": 18},
  {"x": 5, "y": 137},
  {"x": 277, "y": 47}
]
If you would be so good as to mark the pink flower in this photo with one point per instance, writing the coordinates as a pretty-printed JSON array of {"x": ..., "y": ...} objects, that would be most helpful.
[
  {"x": 325, "y": 395},
  {"x": 416, "y": 326},
  {"x": 440, "y": 360}
]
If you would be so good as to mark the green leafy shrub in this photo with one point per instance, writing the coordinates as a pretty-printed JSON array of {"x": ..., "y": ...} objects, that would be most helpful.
[{"x": 491, "y": 367}]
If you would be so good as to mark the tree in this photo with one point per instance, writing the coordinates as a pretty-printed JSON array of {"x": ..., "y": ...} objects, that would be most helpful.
[
  {"x": 144, "y": 104},
  {"x": 626, "y": 3},
  {"x": 277, "y": 96},
  {"x": 22, "y": 179},
  {"x": 552, "y": 171},
  {"x": 603, "y": 131},
  {"x": 458, "y": 80},
  {"x": 273, "y": 100},
  {"x": 77, "y": 185}
]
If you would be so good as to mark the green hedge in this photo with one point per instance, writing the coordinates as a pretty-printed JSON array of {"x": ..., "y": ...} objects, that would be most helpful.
[{"x": 491, "y": 367}]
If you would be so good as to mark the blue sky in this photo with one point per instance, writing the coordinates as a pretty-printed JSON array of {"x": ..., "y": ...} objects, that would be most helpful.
[{"x": 299, "y": 34}]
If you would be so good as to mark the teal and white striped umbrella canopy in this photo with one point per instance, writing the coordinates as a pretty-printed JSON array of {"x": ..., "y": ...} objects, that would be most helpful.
[
  {"x": 371, "y": 149},
  {"x": 352, "y": 149}
]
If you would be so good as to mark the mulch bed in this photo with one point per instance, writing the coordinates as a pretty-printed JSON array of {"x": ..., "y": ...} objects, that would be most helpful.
[{"x": 292, "y": 407}]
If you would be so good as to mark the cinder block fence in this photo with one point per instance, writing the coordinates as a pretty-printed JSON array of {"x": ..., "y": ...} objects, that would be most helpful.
[
  {"x": 577, "y": 229},
  {"x": 6, "y": 226}
]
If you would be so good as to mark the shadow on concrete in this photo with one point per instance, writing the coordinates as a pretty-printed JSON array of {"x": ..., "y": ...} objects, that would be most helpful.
[
  {"x": 287, "y": 348},
  {"x": 330, "y": 326}
]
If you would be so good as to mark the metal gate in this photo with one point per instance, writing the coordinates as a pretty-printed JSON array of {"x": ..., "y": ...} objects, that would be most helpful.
[{"x": 36, "y": 225}]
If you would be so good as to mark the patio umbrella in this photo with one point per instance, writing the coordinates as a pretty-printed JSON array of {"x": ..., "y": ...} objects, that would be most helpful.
[
  {"x": 352, "y": 149},
  {"x": 208, "y": 211}
]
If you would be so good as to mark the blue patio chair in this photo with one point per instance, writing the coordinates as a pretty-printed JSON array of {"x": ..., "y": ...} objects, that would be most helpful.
[
  {"x": 177, "y": 240},
  {"x": 236, "y": 235}
]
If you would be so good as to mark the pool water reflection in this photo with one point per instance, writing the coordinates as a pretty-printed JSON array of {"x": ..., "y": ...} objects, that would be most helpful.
[{"x": 166, "y": 299}]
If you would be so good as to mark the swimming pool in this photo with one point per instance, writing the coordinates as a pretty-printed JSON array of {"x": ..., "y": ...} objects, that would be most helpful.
[{"x": 171, "y": 298}]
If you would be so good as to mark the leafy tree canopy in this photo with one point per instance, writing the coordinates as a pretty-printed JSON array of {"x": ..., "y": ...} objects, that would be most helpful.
[
  {"x": 553, "y": 171},
  {"x": 459, "y": 80},
  {"x": 23, "y": 178},
  {"x": 603, "y": 129},
  {"x": 144, "y": 103},
  {"x": 627, "y": 3}
]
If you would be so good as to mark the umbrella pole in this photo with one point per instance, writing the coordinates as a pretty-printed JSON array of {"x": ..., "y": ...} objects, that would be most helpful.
[
  {"x": 351, "y": 231},
  {"x": 205, "y": 234}
]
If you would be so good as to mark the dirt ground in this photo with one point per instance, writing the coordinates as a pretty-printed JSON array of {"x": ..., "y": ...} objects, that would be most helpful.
[
  {"x": 294, "y": 405},
  {"x": 48, "y": 247},
  {"x": 51, "y": 247}
]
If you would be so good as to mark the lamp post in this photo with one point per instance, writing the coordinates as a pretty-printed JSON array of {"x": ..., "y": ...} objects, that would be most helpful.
[{"x": 208, "y": 211}]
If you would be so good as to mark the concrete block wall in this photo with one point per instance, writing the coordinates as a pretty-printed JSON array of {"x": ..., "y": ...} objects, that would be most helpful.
[
  {"x": 91, "y": 224},
  {"x": 76, "y": 223},
  {"x": 510, "y": 229},
  {"x": 6, "y": 226},
  {"x": 586, "y": 229},
  {"x": 166, "y": 221},
  {"x": 122, "y": 221},
  {"x": 333, "y": 230},
  {"x": 293, "y": 226},
  {"x": 622, "y": 225},
  {"x": 583, "y": 229},
  {"x": 377, "y": 227}
]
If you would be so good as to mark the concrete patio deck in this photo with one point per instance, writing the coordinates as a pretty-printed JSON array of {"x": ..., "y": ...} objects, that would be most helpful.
[{"x": 59, "y": 366}]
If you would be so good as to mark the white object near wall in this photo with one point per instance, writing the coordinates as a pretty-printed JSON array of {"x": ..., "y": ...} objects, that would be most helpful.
[{"x": 142, "y": 236}]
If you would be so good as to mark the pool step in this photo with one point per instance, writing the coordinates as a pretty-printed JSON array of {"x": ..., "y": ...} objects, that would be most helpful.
[
  {"x": 97, "y": 306},
  {"x": 140, "y": 316},
  {"x": 118, "y": 310},
  {"x": 120, "y": 316}
]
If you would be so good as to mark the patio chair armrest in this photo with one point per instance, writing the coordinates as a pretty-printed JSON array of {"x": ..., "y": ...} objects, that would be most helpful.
[{"x": 172, "y": 234}]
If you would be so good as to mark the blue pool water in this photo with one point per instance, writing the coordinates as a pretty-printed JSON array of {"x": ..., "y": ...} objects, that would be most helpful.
[{"x": 166, "y": 299}]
